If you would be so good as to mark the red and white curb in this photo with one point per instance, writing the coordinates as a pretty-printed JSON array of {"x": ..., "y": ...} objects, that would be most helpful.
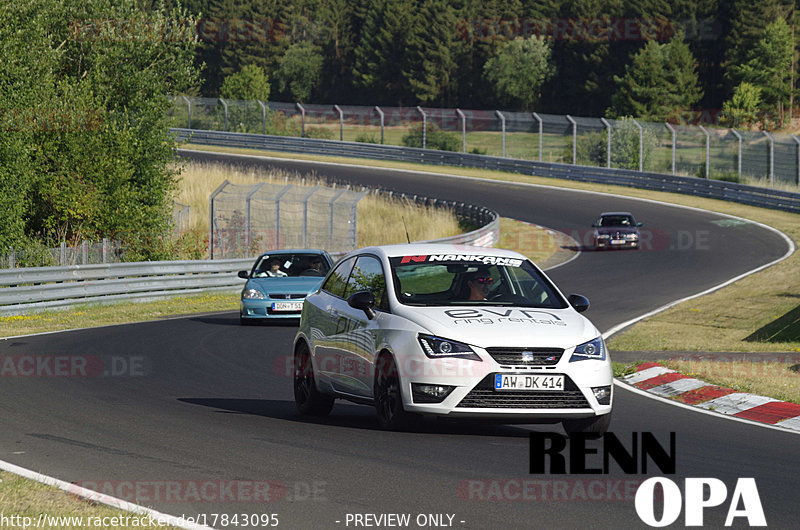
[{"x": 661, "y": 381}]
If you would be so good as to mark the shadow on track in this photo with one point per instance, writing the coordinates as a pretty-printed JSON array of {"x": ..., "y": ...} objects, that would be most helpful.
[{"x": 357, "y": 417}]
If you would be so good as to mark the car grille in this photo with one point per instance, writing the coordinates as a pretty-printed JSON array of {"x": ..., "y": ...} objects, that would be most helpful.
[
  {"x": 286, "y": 296},
  {"x": 484, "y": 396},
  {"x": 526, "y": 356}
]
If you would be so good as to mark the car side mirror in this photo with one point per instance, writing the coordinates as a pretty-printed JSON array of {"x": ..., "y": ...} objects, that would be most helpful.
[
  {"x": 579, "y": 302},
  {"x": 363, "y": 300},
  {"x": 594, "y": 225},
  {"x": 639, "y": 224},
  {"x": 243, "y": 274}
]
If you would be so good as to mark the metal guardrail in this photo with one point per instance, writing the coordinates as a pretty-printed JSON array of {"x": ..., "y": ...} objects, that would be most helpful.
[
  {"x": 714, "y": 189},
  {"x": 24, "y": 289}
]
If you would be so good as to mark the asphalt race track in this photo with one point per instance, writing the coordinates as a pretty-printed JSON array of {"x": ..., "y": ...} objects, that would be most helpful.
[{"x": 197, "y": 414}]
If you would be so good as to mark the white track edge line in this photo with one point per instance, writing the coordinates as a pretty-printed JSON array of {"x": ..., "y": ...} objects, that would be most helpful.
[{"x": 102, "y": 498}]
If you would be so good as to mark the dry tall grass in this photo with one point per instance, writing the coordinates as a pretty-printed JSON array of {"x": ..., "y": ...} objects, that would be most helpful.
[{"x": 380, "y": 220}]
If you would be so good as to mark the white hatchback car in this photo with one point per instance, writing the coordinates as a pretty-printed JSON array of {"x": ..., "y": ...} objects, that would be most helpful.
[{"x": 451, "y": 331}]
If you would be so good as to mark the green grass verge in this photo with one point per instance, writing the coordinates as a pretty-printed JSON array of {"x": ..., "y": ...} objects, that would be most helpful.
[{"x": 29, "y": 504}]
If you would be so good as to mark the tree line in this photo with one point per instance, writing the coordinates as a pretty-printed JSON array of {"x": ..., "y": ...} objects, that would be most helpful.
[{"x": 649, "y": 59}]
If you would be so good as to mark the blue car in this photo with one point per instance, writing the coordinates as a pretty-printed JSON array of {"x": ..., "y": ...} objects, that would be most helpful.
[{"x": 278, "y": 283}]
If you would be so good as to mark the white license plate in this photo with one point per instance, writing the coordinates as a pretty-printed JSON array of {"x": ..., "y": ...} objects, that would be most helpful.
[
  {"x": 287, "y": 306},
  {"x": 618, "y": 241},
  {"x": 528, "y": 382}
]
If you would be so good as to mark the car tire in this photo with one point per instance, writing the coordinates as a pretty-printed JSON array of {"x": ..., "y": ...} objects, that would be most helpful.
[
  {"x": 388, "y": 397},
  {"x": 307, "y": 397},
  {"x": 596, "y": 425}
]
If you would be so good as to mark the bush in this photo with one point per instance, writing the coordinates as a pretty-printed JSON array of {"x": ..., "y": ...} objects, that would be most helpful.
[
  {"x": 435, "y": 138},
  {"x": 368, "y": 138},
  {"x": 320, "y": 133}
]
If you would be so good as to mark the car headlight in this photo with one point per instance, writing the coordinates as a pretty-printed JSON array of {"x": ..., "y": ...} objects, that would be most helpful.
[
  {"x": 253, "y": 294},
  {"x": 631, "y": 236},
  {"x": 594, "y": 349},
  {"x": 437, "y": 347},
  {"x": 603, "y": 236}
]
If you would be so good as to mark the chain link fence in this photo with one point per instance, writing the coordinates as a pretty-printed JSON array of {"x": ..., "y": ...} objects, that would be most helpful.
[
  {"x": 84, "y": 253},
  {"x": 752, "y": 157},
  {"x": 248, "y": 220}
]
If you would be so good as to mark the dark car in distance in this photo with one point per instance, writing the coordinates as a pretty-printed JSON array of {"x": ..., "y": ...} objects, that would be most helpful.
[{"x": 616, "y": 230}]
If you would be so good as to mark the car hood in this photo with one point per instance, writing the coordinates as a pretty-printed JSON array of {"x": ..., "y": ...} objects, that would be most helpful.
[
  {"x": 285, "y": 285},
  {"x": 492, "y": 326},
  {"x": 617, "y": 230}
]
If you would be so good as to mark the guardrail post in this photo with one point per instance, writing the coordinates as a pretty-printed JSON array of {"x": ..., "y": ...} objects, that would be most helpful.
[
  {"x": 341, "y": 122},
  {"x": 189, "y": 105},
  {"x": 708, "y": 151},
  {"x": 641, "y": 145},
  {"x": 424, "y": 125},
  {"x": 380, "y": 113},
  {"x": 503, "y": 129},
  {"x": 302, "y": 120},
  {"x": 797, "y": 140},
  {"x": 608, "y": 141},
  {"x": 463, "y": 130},
  {"x": 574, "y": 139},
  {"x": 674, "y": 143},
  {"x": 263, "y": 116},
  {"x": 211, "y": 217},
  {"x": 225, "y": 104},
  {"x": 739, "y": 154},
  {"x": 771, "y": 159},
  {"x": 536, "y": 116}
]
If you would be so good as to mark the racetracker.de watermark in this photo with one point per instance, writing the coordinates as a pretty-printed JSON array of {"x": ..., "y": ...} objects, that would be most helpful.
[
  {"x": 550, "y": 490},
  {"x": 77, "y": 366},
  {"x": 211, "y": 490},
  {"x": 589, "y": 29}
]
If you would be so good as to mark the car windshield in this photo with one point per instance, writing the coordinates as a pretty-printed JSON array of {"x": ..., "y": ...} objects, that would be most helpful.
[
  {"x": 483, "y": 280},
  {"x": 615, "y": 220},
  {"x": 296, "y": 264}
]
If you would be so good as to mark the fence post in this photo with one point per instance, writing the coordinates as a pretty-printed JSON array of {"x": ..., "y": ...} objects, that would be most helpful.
[
  {"x": 771, "y": 158},
  {"x": 85, "y": 252},
  {"x": 674, "y": 143},
  {"x": 540, "y": 134},
  {"x": 211, "y": 217},
  {"x": 341, "y": 122},
  {"x": 105, "y": 250},
  {"x": 302, "y": 120},
  {"x": 380, "y": 113},
  {"x": 62, "y": 253},
  {"x": 278, "y": 213},
  {"x": 463, "y": 130},
  {"x": 708, "y": 151},
  {"x": 424, "y": 125},
  {"x": 503, "y": 130},
  {"x": 608, "y": 141},
  {"x": 641, "y": 145},
  {"x": 263, "y": 116},
  {"x": 797, "y": 140},
  {"x": 189, "y": 105},
  {"x": 739, "y": 154},
  {"x": 306, "y": 198},
  {"x": 574, "y": 139},
  {"x": 225, "y": 104},
  {"x": 248, "y": 236},
  {"x": 330, "y": 220}
]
